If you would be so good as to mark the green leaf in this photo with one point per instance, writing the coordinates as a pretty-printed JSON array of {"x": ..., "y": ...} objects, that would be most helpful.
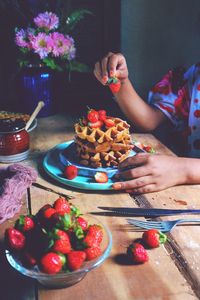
[
  {"x": 74, "y": 18},
  {"x": 49, "y": 62}
]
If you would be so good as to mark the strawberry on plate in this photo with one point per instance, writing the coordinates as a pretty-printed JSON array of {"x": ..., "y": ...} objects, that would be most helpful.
[
  {"x": 93, "y": 116},
  {"x": 101, "y": 177},
  {"x": 71, "y": 172}
]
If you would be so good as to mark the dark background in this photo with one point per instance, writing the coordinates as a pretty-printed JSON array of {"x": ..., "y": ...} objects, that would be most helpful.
[
  {"x": 94, "y": 36},
  {"x": 154, "y": 35}
]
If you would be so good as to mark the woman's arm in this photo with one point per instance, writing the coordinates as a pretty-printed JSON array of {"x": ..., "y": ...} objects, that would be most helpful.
[
  {"x": 135, "y": 108},
  {"x": 151, "y": 173}
]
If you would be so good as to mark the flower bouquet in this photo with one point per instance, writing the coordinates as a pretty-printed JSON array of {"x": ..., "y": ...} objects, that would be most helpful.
[{"x": 48, "y": 42}]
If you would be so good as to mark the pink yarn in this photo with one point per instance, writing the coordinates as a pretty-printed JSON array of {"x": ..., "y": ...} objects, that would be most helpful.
[{"x": 14, "y": 180}]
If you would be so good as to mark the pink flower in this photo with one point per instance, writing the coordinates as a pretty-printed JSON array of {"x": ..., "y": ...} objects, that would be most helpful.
[
  {"x": 42, "y": 44},
  {"x": 47, "y": 21},
  {"x": 21, "y": 38},
  {"x": 63, "y": 45}
]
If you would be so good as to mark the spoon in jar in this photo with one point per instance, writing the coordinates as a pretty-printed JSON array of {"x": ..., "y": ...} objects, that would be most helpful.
[{"x": 34, "y": 114}]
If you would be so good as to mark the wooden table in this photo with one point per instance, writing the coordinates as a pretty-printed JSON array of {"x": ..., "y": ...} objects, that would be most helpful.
[{"x": 173, "y": 271}]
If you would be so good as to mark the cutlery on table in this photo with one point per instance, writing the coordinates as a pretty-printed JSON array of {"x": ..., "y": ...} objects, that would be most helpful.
[
  {"x": 148, "y": 212},
  {"x": 164, "y": 226}
]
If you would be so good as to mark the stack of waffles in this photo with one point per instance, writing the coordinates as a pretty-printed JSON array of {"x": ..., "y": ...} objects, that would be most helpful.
[{"x": 103, "y": 146}]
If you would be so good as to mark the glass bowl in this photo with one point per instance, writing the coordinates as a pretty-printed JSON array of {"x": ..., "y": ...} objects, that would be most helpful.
[{"x": 63, "y": 279}]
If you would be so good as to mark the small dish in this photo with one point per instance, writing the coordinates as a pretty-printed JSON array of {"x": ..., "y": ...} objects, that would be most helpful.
[{"x": 65, "y": 279}]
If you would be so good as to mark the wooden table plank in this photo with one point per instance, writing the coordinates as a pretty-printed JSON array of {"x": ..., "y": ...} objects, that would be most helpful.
[{"x": 115, "y": 279}]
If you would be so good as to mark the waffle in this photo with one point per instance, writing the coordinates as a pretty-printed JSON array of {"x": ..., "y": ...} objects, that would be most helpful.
[{"x": 103, "y": 147}]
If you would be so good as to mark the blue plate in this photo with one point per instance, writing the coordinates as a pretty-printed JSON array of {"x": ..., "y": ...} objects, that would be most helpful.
[{"x": 56, "y": 160}]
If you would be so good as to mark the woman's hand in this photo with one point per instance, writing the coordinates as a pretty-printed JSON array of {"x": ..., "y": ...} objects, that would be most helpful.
[
  {"x": 150, "y": 173},
  {"x": 110, "y": 66}
]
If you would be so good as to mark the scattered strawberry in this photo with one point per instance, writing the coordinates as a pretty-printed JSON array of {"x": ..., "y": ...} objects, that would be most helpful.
[
  {"x": 51, "y": 263},
  {"x": 15, "y": 240},
  {"x": 102, "y": 115},
  {"x": 83, "y": 223},
  {"x": 114, "y": 84},
  {"x": 61, "y": 205},
  {"x": 97, "y": 124},
  {"x": 92, "y": 252},
  {"x": 109, "y": 122},
  {"x": 153, "y": 238},
  {"x": 137, "y": 253},
  {"x": 148, "y": 149},
  {"x": 93, "y": 116},
  {"x": 25, "y": 223},
  {"x": 101, "y": 177},
  {"x": 71, "y": 172},
  {"x": 75, "y": 259}
]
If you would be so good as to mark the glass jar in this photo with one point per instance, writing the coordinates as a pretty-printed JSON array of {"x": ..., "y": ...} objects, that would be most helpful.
[{"x": 14, "y": 140}]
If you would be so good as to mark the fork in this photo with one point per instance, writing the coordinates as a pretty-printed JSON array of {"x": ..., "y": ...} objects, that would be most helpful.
[{"x": 164, "y": 226}]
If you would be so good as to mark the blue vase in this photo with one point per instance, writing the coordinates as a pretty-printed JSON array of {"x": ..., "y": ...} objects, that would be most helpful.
[{"x": 36, "y": 84}]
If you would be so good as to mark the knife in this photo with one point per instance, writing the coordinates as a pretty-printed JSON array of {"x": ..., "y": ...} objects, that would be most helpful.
[{"x": 149, "y": 212}]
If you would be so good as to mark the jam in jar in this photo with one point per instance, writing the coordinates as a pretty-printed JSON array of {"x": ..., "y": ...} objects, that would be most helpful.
[{"x": 14, "y": 140}]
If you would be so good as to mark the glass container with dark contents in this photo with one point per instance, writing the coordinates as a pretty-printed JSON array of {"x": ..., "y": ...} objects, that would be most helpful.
[{"x": 14, "y": 140}]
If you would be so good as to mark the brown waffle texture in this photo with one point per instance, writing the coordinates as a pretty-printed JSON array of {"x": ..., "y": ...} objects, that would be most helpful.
[{"x": 105, "y": 146}]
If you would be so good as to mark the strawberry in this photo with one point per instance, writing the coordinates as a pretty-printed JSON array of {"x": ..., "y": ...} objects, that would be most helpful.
[
  {"x": 61, "y": 205},
  {"x": 25, "y": 223},
  {"x": 109, "y": 122},
  {"x": 51, "y": 263},
  {"x": 102, "y": 115},
  {"x": 75, "y": 259},
  {"x": 101, "y": 177},
  {"x": 15, "y": 240},
  {"x": 62, "y": 222},
  {"x": 62, "y": 243},
  {"x": 29, "y": 259},
  {"x": 92, "y": 252},
  {"x": 93, "y": 116},
  {"x": 137, "y": 253},
  {"x": 49, "y": 212},
  {"x": 153, "y": 238},
  {"x": 97, "y": 124},
  {"x": 83, "y": 223},
  {"x": 94, "y": 236},
  {"x": 148, "y": 149},
  {"x": 114, "y": 84},
  {"x": 71, "y": 172}
]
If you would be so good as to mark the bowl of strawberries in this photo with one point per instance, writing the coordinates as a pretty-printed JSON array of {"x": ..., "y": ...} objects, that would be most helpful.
[{"x": 58, "y": 245}]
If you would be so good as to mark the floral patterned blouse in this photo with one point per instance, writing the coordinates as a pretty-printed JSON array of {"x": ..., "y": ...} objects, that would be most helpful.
[{"x": 177, "y": 95}]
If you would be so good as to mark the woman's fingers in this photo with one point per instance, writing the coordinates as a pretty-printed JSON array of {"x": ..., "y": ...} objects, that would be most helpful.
[
  {"x": 134, "y": 183},
  {"x": 135, "y": 172},
  {"x": 150, "y": 188},
  {"x": 135, "y": 160}
]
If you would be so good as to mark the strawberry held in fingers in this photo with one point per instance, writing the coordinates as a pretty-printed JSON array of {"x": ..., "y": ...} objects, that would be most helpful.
[
  {"x": 137, "y": 253},
  {"x": 153, "y": 238},
  {"x": 114, "y": 84},
  {"x": 14, "y": 239}
]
